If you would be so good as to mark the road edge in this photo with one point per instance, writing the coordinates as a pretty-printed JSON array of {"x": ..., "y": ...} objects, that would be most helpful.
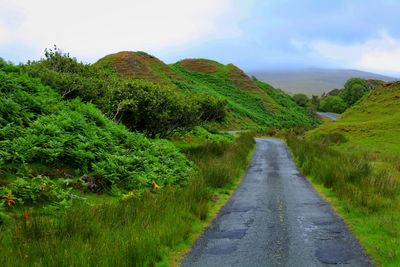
[{"x": 177, "y": 255}]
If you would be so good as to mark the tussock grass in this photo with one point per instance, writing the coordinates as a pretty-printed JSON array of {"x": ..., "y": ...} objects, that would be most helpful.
[
  {"x": 140, "y": 231},
  {"x": 350, "y": 176},
  {"x": 220, "y": 163}
]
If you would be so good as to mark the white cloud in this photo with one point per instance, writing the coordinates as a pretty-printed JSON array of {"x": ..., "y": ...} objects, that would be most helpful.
[
  {"x": 379, "y": 55},
  {"x": 90, "y": 29}
]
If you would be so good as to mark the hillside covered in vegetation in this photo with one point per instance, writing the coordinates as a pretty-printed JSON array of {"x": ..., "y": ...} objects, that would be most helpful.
[
  {"x": 78, "y": 188},
  {"x": 50, "y": 146},
  {"x": 374, "y": 123},
  {"x": 251, "y": 103},
  {"x": 357, "y": 158}
]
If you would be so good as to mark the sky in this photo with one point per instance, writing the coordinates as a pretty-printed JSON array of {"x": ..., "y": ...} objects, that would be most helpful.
[{"x": 252, "y": 34}]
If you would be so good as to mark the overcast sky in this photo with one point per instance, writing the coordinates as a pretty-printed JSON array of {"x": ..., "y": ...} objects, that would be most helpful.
[{"x": 254, "y": 35}]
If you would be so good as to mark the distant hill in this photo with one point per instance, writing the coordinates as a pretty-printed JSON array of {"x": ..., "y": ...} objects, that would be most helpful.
[
  {"x": 251, "y": 103},
  {"x": 139, "y": 65},
  {"x": 313, "y": 81},
  {"x": 373, "y": 124}
]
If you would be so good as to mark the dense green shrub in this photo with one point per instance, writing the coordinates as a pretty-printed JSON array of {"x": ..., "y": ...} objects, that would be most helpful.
[
  {"x": 354, "y": 89},
  {"x": 332, "y": 104},
  {"x": 39, "y": 189},
  {"x": 300, "y": 99},
  {"x": 156, "y": 110},
  {"x": 38, "y": 127},
  {"x": 160, "y": 111}
]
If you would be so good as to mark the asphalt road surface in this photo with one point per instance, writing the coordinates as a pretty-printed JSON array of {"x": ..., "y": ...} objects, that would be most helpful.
[
  {"x": 331, "y": 116},
  {"x": 276, "y": 218},
  {"x": 233, "y": 132}
]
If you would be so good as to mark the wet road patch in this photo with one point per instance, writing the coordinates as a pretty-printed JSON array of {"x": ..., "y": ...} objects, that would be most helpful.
[
  {"x": 233, "y": 234},
  {"x": 333, "y": 252}
]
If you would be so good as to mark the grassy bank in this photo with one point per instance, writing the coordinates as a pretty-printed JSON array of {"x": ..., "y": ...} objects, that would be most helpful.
[
  {"x": 364, "y": 193},
  {"x": 137, "y": 231}
]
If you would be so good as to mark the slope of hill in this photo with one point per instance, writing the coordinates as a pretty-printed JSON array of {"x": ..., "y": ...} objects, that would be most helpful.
[
  {"x": 313, "y": 81},
  {"x": 373, "y": 125},
  {"x": 250, "y": 106},
  {"x": 42, "y": 135}
]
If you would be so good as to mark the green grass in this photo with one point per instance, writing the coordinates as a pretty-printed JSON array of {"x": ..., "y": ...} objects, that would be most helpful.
[
  {"x": 140, "y": 231},
  {"x": 354, "y": 161}
]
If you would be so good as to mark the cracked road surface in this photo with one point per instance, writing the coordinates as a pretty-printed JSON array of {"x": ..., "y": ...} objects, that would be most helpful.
[{"x": 276, "y": 218}]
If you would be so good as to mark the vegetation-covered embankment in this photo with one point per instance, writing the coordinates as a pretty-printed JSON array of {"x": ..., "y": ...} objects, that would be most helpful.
[
  {"x": 47, "y": 144},
  {"x": 136, "y": 231}
]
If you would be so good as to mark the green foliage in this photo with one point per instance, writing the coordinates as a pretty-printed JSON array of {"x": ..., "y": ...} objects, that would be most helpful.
[
  {"x": 139, "y": 231},
  {"x": 290, "y": 114},
  {"x": 160, "y": 111},
  {"x": 334, "y": 92},
  {"x": 332, "y": 104},
  {"x": 2, "y": 213},
  {"x": 156, "y": 110},
  {"x": 38, "y": 127},
  {"x": 300, "y": 99},
  {"x": 39, "y": 189},
  {"x": 315, "y": 102},
  {"x": 354, "y": 89}
]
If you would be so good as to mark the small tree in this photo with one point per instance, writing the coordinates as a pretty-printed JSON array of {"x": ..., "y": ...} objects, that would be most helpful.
[
  {"x": 333, "y": 104},
  {"x": 300, "y": 99},
  {"x": 354, "y": 90}
]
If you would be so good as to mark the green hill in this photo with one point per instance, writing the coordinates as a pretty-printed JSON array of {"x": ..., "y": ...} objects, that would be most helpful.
[
  {"x": 372, "y": 125},
  {"x": 139, "y": 65},
  {"x": 251, "y": 103}
]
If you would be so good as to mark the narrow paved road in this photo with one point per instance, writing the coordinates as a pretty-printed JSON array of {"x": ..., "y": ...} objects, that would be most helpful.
[
  {"x": 233, "y": 132},
  {"x": 331, "y": 116},
  {"x": 276, "y": 218}
]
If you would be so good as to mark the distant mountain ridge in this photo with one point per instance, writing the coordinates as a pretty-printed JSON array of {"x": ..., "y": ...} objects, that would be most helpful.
[{"x": 313, "y": 81}]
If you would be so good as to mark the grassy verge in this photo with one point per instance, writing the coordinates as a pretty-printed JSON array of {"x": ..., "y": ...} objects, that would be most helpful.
[
  {"x": 365, "y": 194},
  {"x": 139, "y": 231}
]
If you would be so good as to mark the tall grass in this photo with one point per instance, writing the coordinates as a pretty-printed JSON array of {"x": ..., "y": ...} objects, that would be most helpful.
[
  {"x": 220, "y": 163},
  {"x": 138, "y": 232},
  {"x": 349, "y": 175}
]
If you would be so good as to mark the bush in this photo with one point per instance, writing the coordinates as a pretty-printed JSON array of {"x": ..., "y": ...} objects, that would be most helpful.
[
  {"x": 300, "y": 99},
  {"x": 158, "y": 111},
  {"x": 354, "y": 89},
  {"x": 333, "y": 104}
]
